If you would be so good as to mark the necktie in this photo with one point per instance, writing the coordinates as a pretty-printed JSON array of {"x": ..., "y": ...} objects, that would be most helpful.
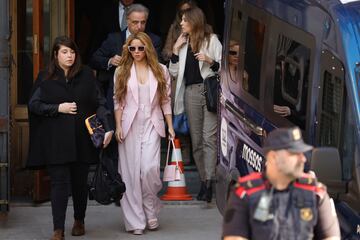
[{"x": 124, "y": 20}]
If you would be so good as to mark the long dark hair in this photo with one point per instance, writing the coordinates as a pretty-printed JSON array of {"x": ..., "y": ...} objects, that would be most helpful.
[{"x": 54, "y": 64}]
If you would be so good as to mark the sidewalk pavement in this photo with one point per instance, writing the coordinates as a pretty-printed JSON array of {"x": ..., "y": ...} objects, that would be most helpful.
[{"x": 178, "y": 220}]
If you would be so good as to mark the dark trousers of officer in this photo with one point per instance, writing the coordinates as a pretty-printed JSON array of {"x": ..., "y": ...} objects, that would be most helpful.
[{"x": 65, "y": 178}]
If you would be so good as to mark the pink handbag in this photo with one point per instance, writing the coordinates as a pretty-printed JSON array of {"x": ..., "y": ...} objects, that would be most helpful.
[{"x": 172, "y": 172}]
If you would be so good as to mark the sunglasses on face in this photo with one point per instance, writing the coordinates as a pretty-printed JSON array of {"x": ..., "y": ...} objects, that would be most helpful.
[
  {"x": 231, "y": 52},
  {"x": 138, "y": 48}
]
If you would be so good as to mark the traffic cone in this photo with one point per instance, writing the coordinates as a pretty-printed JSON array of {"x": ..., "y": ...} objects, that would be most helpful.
[{"x": 176, "y": 190}]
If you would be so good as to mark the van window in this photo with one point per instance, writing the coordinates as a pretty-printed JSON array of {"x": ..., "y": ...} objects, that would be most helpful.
[
  {"x": 331, "y": 111},
  {"x": 350, "y": 144},
  {"x": 291, "y": 80},
  {"x": 335, "y": 116},
  {"x": 234, "y": 51},
  {"x": 332, "y": 99},
  {"x": 253, "y": 56}
]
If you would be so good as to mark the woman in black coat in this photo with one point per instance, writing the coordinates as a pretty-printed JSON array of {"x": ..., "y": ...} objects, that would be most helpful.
[{"x": 62, "y": 98}]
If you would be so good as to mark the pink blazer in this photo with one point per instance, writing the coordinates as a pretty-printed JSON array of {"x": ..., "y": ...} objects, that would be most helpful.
[{"x": 130, "y": 105}]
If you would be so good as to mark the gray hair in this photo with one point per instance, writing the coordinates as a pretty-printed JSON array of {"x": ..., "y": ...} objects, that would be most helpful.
[{"x": 136, "y": 7}]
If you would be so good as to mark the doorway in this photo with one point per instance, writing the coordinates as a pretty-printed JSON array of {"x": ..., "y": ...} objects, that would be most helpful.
[
  {"x": 36, "y": 23},
  {"x": 95, "y": 19}
]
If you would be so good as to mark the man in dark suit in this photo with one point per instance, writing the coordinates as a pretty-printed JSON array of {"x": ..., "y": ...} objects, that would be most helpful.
[
  {"x": 113, "y": 16},
  {"x": 108, "y": 56}
]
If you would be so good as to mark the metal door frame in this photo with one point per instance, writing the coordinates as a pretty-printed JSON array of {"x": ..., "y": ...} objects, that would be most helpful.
[{"x": 4, "y": 106}]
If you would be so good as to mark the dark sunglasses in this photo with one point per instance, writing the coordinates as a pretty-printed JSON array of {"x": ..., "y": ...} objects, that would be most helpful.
[
  {"x": 139, "y": 48},
  {"x": 231, "y": 52}
]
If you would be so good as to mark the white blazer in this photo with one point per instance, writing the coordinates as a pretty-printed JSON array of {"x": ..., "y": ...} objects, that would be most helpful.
[{"x": 213, "y": 50}]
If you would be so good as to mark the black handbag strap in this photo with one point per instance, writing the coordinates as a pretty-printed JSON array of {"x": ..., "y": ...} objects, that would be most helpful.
[{"x": 101, "y": 154}]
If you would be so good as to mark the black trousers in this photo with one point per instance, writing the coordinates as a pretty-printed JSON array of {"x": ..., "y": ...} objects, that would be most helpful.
[{"x": 66, "y": 179}]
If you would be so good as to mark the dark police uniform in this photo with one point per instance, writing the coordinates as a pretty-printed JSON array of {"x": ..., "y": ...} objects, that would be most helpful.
[
  {"x": 256, "y": 210},
  {"x": 299, "y": 212}
]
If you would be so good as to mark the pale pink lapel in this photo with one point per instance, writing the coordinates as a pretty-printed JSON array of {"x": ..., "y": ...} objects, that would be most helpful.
[
  {"x": 153, "y": 85},
  {"x": 133, "y": 84}
]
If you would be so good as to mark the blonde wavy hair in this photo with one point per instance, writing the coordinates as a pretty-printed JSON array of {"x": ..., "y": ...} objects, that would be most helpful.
[{"x": 122, "y": 73}]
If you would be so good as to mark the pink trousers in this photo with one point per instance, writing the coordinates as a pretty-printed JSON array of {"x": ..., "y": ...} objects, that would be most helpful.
[{"x": 139, "y": 166}]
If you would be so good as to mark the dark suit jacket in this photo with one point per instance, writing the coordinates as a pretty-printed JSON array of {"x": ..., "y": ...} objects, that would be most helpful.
[
  {"x": 99, "y": 61},
  {"x": 110, "y": 17}
]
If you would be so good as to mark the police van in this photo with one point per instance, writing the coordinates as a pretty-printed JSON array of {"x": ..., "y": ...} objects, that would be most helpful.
[{"x": 293, "y": 63}]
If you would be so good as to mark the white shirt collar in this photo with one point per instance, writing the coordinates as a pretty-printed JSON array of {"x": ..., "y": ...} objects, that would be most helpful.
[{"x": 128, "y": 33}]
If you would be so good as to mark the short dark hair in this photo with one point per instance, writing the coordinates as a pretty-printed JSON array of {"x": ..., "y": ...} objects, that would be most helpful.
[
  {"x": 180, "y": 12},
  {"x": 192, "y": 3},
  {"x": 54, "y": 64}
]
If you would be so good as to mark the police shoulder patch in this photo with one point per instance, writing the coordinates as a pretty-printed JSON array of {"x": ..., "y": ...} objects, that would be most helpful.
[
  {"x": 240, "y": 192},
  {"x": 307, "y": 179},
  {"x": 250, "y": 184},
  {"x": 306, "y": 182}
]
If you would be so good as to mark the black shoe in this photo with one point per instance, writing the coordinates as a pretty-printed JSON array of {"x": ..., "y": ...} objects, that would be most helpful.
[
  {"x": 208, "y": 193},
  {"x": 201, "y": 194}
]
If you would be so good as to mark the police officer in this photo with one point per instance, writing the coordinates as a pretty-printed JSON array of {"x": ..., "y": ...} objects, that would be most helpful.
[{"x": 282, "y": 202}]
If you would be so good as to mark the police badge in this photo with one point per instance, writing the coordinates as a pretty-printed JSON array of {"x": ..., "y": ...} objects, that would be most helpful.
[{"x": 306, "y": 214}]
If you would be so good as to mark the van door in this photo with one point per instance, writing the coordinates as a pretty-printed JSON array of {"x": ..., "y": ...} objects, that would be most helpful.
[
  {"x": 242, "y": 88},
  {"x": 249, "y": 98},
  {"x": 331, "y": 114}
]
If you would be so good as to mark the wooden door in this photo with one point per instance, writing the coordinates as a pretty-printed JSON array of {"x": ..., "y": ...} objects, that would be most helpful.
[{"x": 36, "y": 23}]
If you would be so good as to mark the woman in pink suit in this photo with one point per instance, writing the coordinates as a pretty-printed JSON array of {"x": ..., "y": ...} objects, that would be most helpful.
[{"x": 142, "y": 99}]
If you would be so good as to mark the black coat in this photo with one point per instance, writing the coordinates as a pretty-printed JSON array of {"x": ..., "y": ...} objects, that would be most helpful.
[
  {"x": 99, "y": 61},
  {"x": 57, "y": 138}
]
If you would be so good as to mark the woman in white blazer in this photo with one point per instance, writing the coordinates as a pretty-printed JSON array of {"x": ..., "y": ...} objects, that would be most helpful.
[
  {"x": 196, "y": 56},
  {"x": 141, "y": 101}
]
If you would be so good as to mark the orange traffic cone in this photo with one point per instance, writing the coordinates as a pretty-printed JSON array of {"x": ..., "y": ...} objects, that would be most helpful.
[{"x": 176, "y": 190}]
